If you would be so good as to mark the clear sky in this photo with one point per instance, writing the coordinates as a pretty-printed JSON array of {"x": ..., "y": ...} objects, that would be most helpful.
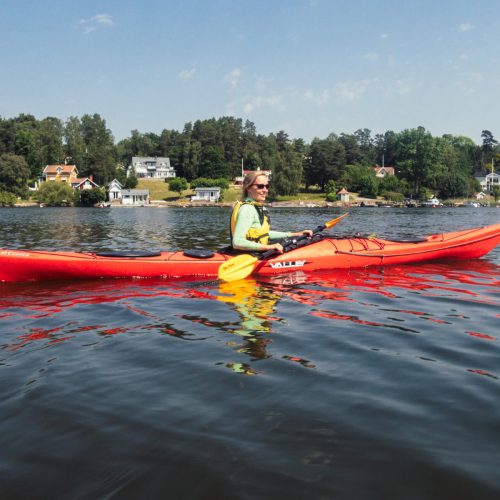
[{"x": 308, "y": 67}]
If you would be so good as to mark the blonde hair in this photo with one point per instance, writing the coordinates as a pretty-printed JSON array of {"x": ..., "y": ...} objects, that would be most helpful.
[{"x": 249, "y": 180}]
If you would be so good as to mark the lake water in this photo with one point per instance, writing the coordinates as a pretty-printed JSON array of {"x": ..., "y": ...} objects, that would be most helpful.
[{"x": 367, "y": 384}]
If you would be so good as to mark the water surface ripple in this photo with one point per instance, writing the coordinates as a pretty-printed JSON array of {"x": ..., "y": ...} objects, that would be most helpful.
[{"x": 369, "y": 384}]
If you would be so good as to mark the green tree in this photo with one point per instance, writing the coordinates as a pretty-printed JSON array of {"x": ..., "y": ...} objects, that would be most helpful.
[
  {"x": 415, "y": 157},
  {"x": 351, "y": 147},
  {"x": 356, "y": 177},
  {"x": 369, "y": 186},
  {"x": 27, "y": 143},
  {"x": 100, "y": 155},
  {"x": 177, "y": 184},
  {"x": 130, "y": 182},
  {"x": 51, "y": 132},
  {"x": 390, "y": 183},
  {"x": 213, "y": 163},
  {"x": 367, "y": 149},
  {"x": 488, "y": 146},
  {"x": 7, "y": 136},
  {"x": 453, "y": 185},
  {"x": 285, "y": 162},
  {"x": 385, "y": 147},
  {"x": 326, "y": 161},
  {"x": 75, "y": 147},
  {"x": 138, "y": 145},
  {"x": 191, "y": 159},
  {"x": 14, "y": 172},
  {"x": 250, "y": 148}
]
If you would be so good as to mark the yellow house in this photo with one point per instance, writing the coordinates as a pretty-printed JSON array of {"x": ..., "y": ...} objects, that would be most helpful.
[{"x": 61, "y": 173}]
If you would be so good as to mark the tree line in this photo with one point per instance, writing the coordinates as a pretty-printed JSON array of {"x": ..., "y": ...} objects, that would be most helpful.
[{"x": 215, "y": 148}]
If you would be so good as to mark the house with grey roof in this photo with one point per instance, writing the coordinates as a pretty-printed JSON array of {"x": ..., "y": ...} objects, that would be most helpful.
[{"x": 135, "y": 197}]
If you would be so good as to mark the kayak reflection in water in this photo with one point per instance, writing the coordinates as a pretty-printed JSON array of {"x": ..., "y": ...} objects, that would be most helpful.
[
  {"x": 250, "y": 225},
  {"x": 255, "y": 305}
]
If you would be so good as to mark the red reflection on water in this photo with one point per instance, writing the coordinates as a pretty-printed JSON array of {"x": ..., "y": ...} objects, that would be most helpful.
[
  {"x": 302, "y": 361},
  {"x": 428, "y": 279},
  {"x": 483, "y": 372},
  {"x": 35, "y": 335},
  {"x": 255, "y": 301},
  {"x": 35, "y": 300},
  {"x": 474, "y": 281},
  {"x": 481, "y": 335},
  {"x": 40, "y": 300},
  {"x": 114, "y": 331},
  {"x": 333, "y": 315}
]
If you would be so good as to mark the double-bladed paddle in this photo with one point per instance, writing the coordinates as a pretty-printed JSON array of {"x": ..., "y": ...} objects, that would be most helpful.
[{"x": 241, "y": 266}]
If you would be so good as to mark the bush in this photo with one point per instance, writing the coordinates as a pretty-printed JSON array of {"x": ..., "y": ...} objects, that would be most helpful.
[
  {"x": 203, "y": 182},
  {"x": 55, "y": 194},
  {"x": 331, "y": 187},
  {"x": 178, "y": 184},
  {"x": 89, "y": 197},
  {"x": 7, "y": 199},
  {"x": 392, "y": 196}
]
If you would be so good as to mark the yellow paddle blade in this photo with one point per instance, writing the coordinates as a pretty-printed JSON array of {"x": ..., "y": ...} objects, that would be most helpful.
[
  {"x": 332, "y": 222},
  {"x": 237, "y": 268}
]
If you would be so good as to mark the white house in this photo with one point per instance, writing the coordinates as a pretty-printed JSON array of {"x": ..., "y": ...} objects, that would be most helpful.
[
  {"x": 489, "y": 181},
  {"x": 115, "y": 190},
  {"x": 206, "y": 194},
  {"x": 148, "y": 167},
  {"x": 492, "y": 180},
  {"x": 138, "y": 197}
]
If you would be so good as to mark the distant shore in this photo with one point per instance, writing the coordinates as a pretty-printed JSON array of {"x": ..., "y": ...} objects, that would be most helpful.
[{"x": 360, "y": 202}]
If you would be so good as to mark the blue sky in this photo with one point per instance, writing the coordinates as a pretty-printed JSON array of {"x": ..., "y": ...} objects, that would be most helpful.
[{"x": 308, "y": 67}]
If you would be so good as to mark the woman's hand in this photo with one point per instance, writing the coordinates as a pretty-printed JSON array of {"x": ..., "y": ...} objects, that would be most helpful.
[
  {"x": 305, "y": 232},
  {"x": 275, "y": 246}
]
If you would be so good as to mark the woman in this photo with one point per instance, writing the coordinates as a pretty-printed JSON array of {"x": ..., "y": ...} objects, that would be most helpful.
[{"x": 250, "y": 229}]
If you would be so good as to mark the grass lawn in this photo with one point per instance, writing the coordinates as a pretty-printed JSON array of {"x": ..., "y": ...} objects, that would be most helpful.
[{"x": 158, "y": 190}]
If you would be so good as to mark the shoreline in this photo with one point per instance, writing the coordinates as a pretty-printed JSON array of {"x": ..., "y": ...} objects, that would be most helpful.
[{"x": 358, "y": 202}]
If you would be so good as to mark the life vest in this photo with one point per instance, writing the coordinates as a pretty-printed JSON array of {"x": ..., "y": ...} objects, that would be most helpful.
[{"x": 258, "y": 234}]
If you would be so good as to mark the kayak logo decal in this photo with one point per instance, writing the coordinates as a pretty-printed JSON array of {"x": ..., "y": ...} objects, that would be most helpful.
[
  {"x": 15, "y": 253},
  {"x": 286, "y": 264}
]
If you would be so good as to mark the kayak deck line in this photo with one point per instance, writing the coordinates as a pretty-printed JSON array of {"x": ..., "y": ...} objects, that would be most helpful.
[{"x": 383, "y": 245}]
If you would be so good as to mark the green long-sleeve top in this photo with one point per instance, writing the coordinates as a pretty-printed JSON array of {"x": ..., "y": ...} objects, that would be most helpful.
[{"x": 248, "y": 217}]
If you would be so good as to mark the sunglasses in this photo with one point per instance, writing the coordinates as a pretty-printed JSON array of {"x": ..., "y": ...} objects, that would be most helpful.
[{"x": 261, "y": 186}]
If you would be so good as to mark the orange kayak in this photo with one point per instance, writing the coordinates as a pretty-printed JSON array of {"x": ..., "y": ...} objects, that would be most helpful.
[{"x": 327, "y": 253}]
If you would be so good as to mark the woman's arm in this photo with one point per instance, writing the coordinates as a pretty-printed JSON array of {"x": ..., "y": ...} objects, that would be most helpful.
[{"x": 247, "y": 218}]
